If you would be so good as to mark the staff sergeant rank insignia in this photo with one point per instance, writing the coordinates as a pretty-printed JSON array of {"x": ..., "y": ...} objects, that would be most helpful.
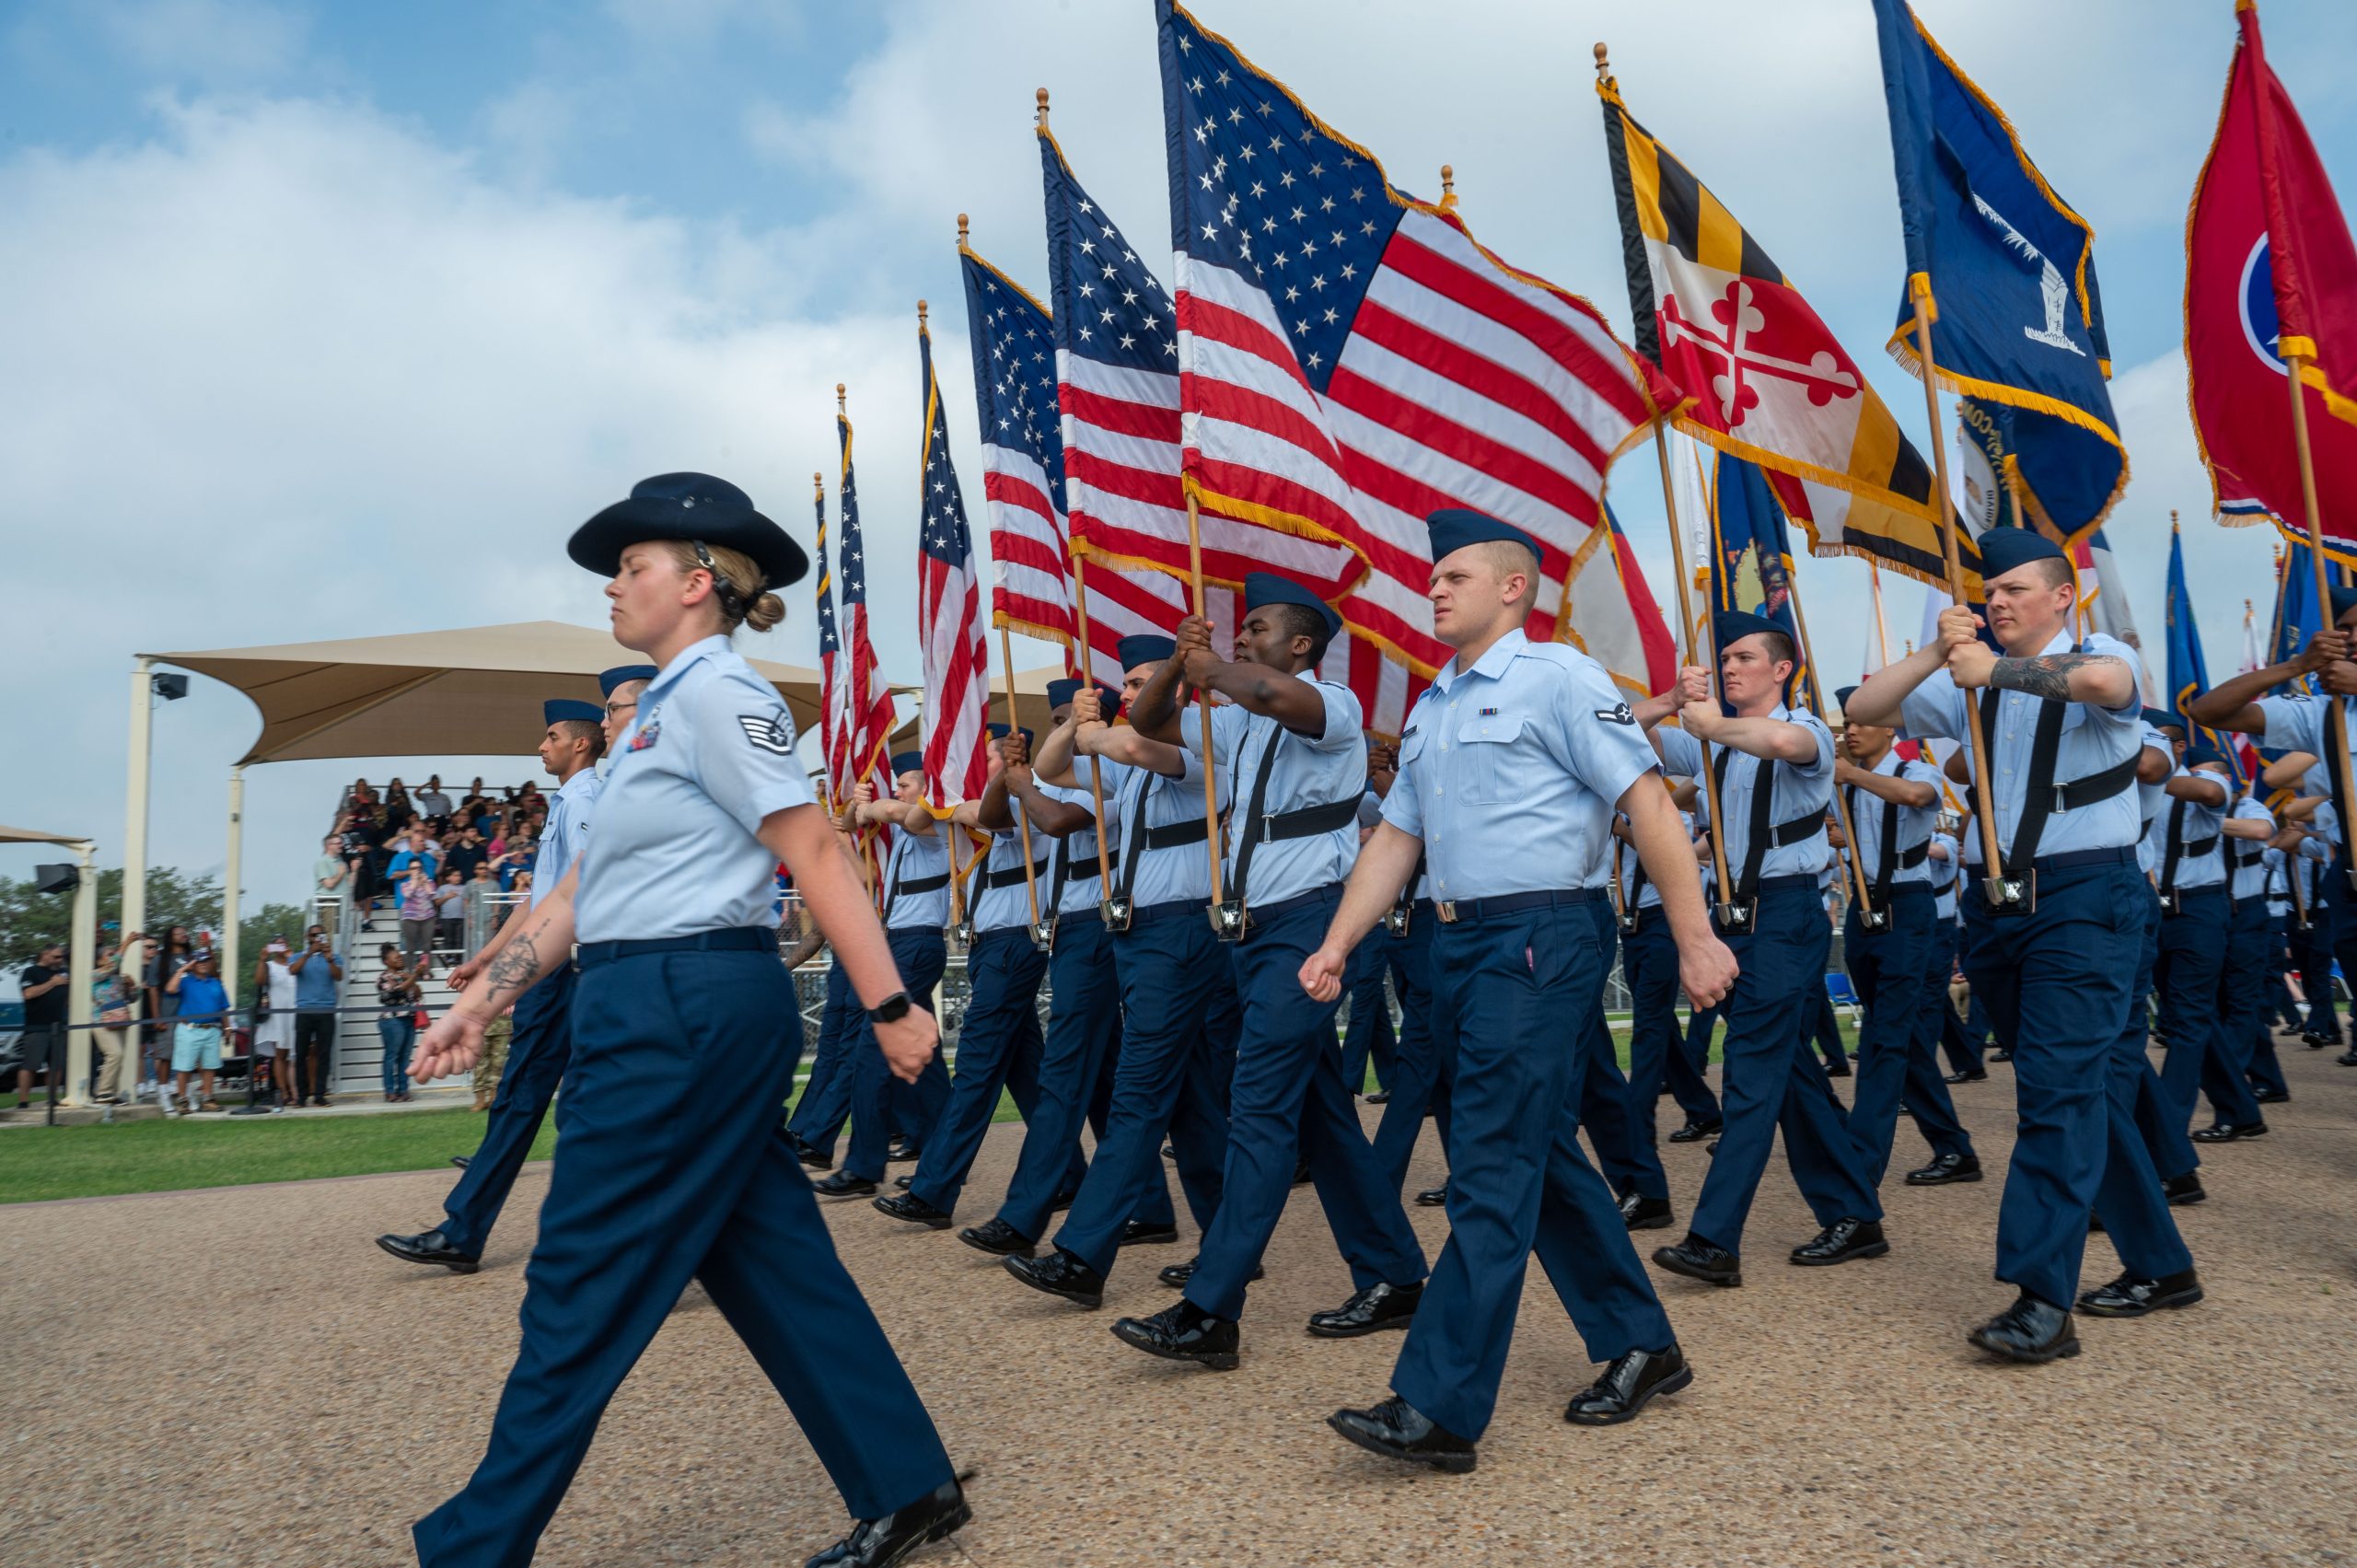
[{"x": 770, "y": 732}]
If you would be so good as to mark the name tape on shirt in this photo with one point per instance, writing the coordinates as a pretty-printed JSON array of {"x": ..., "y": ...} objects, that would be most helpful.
[
  {"x": 1620, "y": 712},
  {"x": 769, "y": 732}
]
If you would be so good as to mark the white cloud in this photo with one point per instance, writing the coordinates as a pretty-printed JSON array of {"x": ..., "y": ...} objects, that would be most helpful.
[{"x": 214, "y": 42}]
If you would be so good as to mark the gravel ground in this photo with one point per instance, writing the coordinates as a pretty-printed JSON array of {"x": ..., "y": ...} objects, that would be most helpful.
[{"x": 240, "y": 1377}]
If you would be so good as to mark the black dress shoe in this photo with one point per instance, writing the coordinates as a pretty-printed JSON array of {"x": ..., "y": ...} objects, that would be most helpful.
[
  {"x": 1977, "y": 1075},
  {"x": 1837, "y": 1069},
  {"x": 1370, "y": 1311},
  {"x": 1695, "y": 1132},
  {"x": 904, "y": 1182},
  {"x": 1184, "y": 1332},
  {"x": 1945, "y": 1170},
  {"x": 916, "y": 1210},
  {"x": 1176, "y": 1275},
  {"x": 2230, "y": 1132},
  {"x": 1711, "y": 1148},
  {"x": 462, "y": 1161},
  {"x": 811, "y": 1156},
  {"x": 2030, "y": 1329},
  {"x": 2000, "y": 1054},
  {"x": 1301, "y": 1173},
  {"x": 1434, "y": 1197},
  {"x": 1139, "y": 1232},
  {"x": 2348, "y": 1058},
  {"x": 1841, "y": 1241},
  {"x": 1628, "y": 1386},
  {"x": 998, "y": 1239},
  {"x": 1640, "y": 1212},
  {"x": 1397, "y": 1429},
  {"x": 843, "y": 1184},
  {"x": 430, "y": 1246},
  {"x": 1168, "y": 1152},
  {"x": 2129, "y": 1296},
  {"x": 899, "y": 1151},
  {"x": 880, "y": 1543},
  {"x": 1700, "y": 1260},
  {"x": 1380, "y": 1096},
  {"x": 2272, "y": 1097},
  {"x": 1059, "y": 1274},
  {"x": 1060, "y": 1202},
  {"x": 2182, "y": 1191}
]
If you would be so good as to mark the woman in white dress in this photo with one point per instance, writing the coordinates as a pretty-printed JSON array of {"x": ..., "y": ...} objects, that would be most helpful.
[{"x": 274, "y": 1035}]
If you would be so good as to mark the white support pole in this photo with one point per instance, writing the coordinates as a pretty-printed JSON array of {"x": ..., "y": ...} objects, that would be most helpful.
[
  {"x": 82, "y": 959},
  {"x": 229, "y": 882},
  {"x": 134, "y": 816}
]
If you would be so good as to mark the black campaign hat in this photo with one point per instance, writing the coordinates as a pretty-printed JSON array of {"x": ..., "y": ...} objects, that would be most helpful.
[{"x": 688, "y": 506}]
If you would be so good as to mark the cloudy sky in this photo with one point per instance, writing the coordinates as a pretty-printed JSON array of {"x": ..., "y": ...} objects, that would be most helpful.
[{"x": 325, "y": 320}]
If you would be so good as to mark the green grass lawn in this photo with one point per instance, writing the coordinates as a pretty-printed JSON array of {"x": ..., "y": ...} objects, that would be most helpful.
[{"x": 162, "y": 1156}]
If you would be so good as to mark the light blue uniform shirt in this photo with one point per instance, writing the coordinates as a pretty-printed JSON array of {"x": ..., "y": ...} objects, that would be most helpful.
[
  {"x": 566, "y": 832},
  {"x": 2152, "y": 800},
  {"x": 1078, "y": 850},
  {"x": 916, "y": 857},
  {"x": 2315, "y": 856},
  {"x": 1797, "y": 793},
  {"x": 1914, "y": 823},
  {"x": 995, "y": 908},
  {"x": 1303, "y": 772},
  {"x": 2248, "y": 856},
  {"x": 2198, "y": 822},
  {"x": 1944, "y": 876},
  {"x": 2295, "y": 722},
  {"x": 1510, "y": 771},
  {"x": 2277, "y": 869},
  {"x": 2093, "y": 739},
  {"x": 1649, "y": 896},
  {"x": 1175, "y": 871},
  {"x": 707, "y": 756}
]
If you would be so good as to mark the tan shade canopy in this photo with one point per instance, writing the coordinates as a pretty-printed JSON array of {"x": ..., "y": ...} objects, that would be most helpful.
[
  {"x": 35, "y": 836},
  {"x": 473, "y": 692},
  {"x": 1030, "y": 705}
]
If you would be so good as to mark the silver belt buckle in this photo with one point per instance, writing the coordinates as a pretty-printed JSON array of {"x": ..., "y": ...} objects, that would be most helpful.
[
  {"x": 1043, "y": 933},
  {"x": 1446, "y": 910},
  {"x": 1228, "y": 919},
  {"x": 1627, "y": 919},
  {"x": 1115, "y": 911},
  {"x": 962, "y": 933},
  {"x": 1735, "y": 917},
  {"x": 2013, "y": 894},
  {"x": 1395, "y": 920},
  {"x": 1873, "y": 919}
]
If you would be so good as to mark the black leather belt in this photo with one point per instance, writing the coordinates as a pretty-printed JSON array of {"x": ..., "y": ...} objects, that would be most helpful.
[
  {"x": 1155, "y": 914},
  {"x": 1461, "y": 911},
  {"x": 1331, "y": 893},
  {"x": 728, "y": 940}
]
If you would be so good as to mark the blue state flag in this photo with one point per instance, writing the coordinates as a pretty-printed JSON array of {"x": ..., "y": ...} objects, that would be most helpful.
[
  {"x": 2188, "y": 671},
  {"x": 1752, "y": 554},
  {"x": 2005, "y": 270},
  {"x": 2296, "y": 616}
]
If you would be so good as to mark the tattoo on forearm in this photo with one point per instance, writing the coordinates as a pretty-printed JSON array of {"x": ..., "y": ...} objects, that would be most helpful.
[
  {"x": 517, "y": 966},
  {"x": 2048, "y": 677}
]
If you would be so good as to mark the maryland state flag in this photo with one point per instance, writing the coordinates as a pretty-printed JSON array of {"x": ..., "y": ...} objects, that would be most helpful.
[
  {"x": 1767, "y": 380},
  {"x": 2005, "y": 270},
  {"x": 2270, "y": 276}
]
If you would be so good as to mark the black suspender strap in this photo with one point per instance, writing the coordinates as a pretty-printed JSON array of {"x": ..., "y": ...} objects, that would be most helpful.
[
  {"x": 2176, "y": 851},
  {"x": 1260, "y": 828},
  {"x": 900, "y": 884},
  {"x": 1010, "y": 876},
  {"x": 1248, "y": 838},
  {"x": 1134, "y": 838},
  {"x": 1887, "y": 856},
  {"x": 1058, "y": 874},
  {"x": 1759, "y": 836}
]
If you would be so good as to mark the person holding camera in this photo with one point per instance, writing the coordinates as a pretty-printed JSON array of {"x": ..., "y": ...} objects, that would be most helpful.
[
  {"x": 196, "y": 1032},
  {"x": 317, "y": 971}
]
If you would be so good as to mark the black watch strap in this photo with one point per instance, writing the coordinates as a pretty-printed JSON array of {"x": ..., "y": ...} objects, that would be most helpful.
[{"x": 892, "y": 1009}]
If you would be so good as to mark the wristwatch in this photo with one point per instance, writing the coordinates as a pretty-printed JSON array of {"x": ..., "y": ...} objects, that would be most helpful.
[{"x": 891, "y": 1010}]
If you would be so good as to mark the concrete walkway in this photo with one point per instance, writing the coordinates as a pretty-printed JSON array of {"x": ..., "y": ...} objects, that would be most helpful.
[{"x": 239, "y": 1378}]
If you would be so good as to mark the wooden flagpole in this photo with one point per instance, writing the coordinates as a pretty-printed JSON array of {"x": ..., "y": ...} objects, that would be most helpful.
[
  {"x": 1840, "y": 802},
  {"x": 947, "y": 828},
  {"x": 1984, "y": 798},
  {"x": 1710, "y": 648},
  {"x": 1204, "y": 701},
  {"x": 2336, "y": 716},
  {"x": 1022, "y": 823},
  {"x": 1882, "y": 626}
]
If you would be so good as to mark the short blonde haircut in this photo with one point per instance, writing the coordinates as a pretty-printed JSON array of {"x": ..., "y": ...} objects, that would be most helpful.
[{"x": 732, "y": 571}]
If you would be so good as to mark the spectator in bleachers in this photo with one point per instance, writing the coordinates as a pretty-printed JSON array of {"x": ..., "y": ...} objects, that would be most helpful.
[
  {"x": 318, "y": 971},
  {"x": 417, "y": 908},
  {"x": 398, "y": 812},
  {"x": 196, "y": 1030},
  {"x": 411, "y": 849},
  {"x": 331, "y": 873},
  {"x": 397, "y": 989},
  {"x": 463, "y": 851},
  {"x": 431, "y": 801},
  {"x": 451, "y": 911}
]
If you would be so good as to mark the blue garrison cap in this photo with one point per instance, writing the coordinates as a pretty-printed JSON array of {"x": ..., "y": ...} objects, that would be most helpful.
[
  {"x": 1262, "y": 588},
  {"x": 622, "y": 674},
  {"x": 1144, "y": 647},
  {"x": 908, "y": 762},
  {"x": 1063, "y": 692},
  {"x": 1454, "y": 528},
  {"x": 1734, "y": 625},
  {"x": 2343, "y": 601},
  {"x": 2002, "y": 549},
  {"x": 2200, "y": 749},
  {"x": 1842, "y": 694},
  {"x": 557, "y": 708},
  {"x": 2161, "y": 718},
  {"x": 998, "y": 732}
]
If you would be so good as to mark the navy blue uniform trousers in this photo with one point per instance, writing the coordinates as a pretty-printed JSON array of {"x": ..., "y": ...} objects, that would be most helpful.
[
  {"x": 2188, "y": 981},
  {"x": 2241, "y": 999},
  {"x": 818, "y": 1116},
  {"x": 670, "y": 1165},
  {"x": 1424, "y": 1073},
  {"x": 1288, "y": 1103},
  {"x": 998, "y": 1049},
  {"x": 2055, "y": 979},
  {"x": 1657, "y": 1053},
  {"x": 1770, "y": 1078},
  {"x": 2163, "y": 1131},
  {"x": 1826, "y": 1025},
  {"x": 1083, "y": 1038},
  {"x": 921, "y": 954},
  {"x": 1898, "y": 977},
  {"x": 1176, "y": 1041},
  {"x": 1518, "y": 1181},
  {"x": 2312, "y": 956},
  {"x": 2143, "y": 1230},
  {"x": 1625, "y": 1150},
  {"x": 538, "y": 1046},
  {"x": 2274, "y": 1004},
  {"x": 1369, "y": 1037}
]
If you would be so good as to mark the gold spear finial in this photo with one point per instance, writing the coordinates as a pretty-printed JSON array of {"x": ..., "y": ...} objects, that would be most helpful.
[
  {"x": 1042, "y": 95},
  {"x": 961, "y": 231},
  {"x": 839, "y": 396},
  {"x": 1448, "y": 188},
  {"x": 920, "y": 315},
  {"x": 1603, "y": 63}
]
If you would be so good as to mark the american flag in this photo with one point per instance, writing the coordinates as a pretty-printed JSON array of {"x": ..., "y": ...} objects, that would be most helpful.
[
  {"x": 863, "y": 728},
  {"x": 949, "y": 618},
  {"x": 830, "y": 645},
  {"x": 1352, "y": 361}
]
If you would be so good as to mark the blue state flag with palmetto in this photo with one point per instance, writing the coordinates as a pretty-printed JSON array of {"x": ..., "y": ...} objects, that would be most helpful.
[
  {"x": 2296, "y": 616},
  {"x": 2188, "y": 671},
  {"x": 2005, "y": 271}
]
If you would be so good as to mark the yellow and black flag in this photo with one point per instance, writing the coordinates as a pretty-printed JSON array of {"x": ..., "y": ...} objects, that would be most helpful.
[{"x": 1766, "y": 380}]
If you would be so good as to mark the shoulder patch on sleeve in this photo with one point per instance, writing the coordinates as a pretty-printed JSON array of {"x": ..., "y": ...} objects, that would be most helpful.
[
  {"x": 1620, "y": 712},
  {"x": 769, "y": 732}
]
